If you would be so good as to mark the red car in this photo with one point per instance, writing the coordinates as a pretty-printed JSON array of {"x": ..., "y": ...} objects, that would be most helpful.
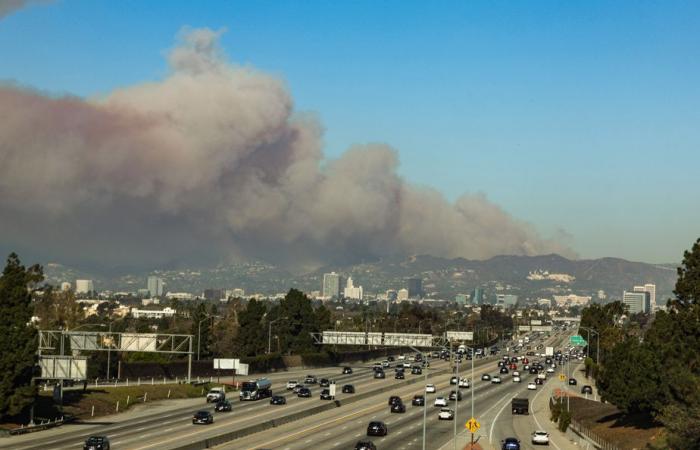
[
  {"x": 513, "y": 367},
  {"x": 525, "y": 361}
]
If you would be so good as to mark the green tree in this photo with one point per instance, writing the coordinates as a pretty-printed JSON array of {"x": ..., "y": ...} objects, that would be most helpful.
[
  {"x": 300, "y": 320},
  {"x": 251, "y": 339},
  {"x": 18, "y": 339},
  {"x": 687, "y": 290}
]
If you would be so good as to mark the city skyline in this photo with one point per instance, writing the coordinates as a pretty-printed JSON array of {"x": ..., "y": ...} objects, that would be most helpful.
[{"x": 483, "y": 118}]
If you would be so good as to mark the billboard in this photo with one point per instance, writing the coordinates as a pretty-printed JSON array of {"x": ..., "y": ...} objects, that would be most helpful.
[
  {"x": 535, "y": 322},
  {"x": 63, "y": 367},
  {"x": 242, "y": 369},
  {"x": 84, "y": 341},
  {"x": 408, "y": 339},
  {"x": 138, "y": 342},
  {"x": 226, "y": 364},
  {"x": 523, "y": 327},
  {"x": 545, "y": 328},
  {"x": 344, "y": 337},
  {"x": 459, "y": 335}
]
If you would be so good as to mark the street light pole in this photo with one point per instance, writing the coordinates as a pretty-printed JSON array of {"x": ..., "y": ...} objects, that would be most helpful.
[
  {"x": 269, "y": 333},
  {"x": 109, "y": 349},
  {"x": 456, "y": 404}
]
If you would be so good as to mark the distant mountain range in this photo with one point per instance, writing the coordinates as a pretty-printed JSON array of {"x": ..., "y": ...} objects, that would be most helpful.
[{"x": 528, "y": 276}]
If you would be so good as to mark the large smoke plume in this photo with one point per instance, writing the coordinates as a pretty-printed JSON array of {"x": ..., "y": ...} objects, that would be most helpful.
[{"x": 213, "y": 162}]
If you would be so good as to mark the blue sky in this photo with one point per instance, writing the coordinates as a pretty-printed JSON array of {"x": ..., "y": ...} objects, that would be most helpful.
[{"x": 581, "y": 116}]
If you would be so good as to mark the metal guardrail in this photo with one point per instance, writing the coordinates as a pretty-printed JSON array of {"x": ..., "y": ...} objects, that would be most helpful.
[{"x": 43, "y": 424}]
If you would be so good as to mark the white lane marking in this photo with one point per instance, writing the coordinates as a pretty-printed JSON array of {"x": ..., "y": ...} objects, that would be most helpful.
[
  {"x": 534, "y": 416},
  {"x": 495, "y": 419}
]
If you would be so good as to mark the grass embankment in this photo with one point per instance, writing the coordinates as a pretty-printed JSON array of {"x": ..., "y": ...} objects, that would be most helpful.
[{"x": 80, "y": 403}]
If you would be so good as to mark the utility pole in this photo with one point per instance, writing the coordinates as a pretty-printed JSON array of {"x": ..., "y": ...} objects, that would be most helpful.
[{"x": 456, "y": 403}]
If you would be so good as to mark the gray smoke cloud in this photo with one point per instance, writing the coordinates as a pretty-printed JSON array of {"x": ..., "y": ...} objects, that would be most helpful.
[
  {"x": 212, "y": 162},
  {"x": 10, "y": 6}
]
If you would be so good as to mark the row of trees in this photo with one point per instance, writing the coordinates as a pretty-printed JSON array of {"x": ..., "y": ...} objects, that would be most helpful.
[{"x": 656, "y": 371}]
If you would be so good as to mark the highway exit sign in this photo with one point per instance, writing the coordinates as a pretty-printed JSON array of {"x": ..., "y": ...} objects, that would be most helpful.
[{"x": 577, "y": 340}]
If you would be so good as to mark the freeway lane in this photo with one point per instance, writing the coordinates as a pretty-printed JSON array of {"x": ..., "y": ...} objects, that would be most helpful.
[
  {"x": 341, "y": 429},
  {"x": 159, "y": 425}
]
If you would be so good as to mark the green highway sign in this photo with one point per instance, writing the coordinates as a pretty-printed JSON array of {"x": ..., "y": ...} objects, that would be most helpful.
[{"x": 578, "y": 340}]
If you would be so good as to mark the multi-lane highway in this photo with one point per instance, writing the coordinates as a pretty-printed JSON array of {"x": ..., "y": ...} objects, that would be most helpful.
[{"x": 339, "y": 427}]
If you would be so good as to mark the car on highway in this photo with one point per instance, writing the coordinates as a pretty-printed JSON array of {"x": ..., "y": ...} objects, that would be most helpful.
[
  {"x": 503, "y": 370},
  {"x": 347, "y": 370},
  {"x": 526, "y": 367},
  {"x": 278, "y": 400},
  {"x": 454, "y": 380},
  {"x": 385, "y": 363},
  {"x": 416, "y": 370},
  {"x": 496, "y": 379},
  {"x": 326, "y": 394},
  {"x": 390, "y": 358},
  {"x": 377, "y": 428},
  {"x": 516, "y": 379},
  {"x": 455, "y": 394},
  {"x": 542, "y": 376},
  {"x": 539, "y": 381},
  {"x": 291, "y": 384},
  {"x": 379, "y": 374},
  {"x": 365, "y": 445},
  {"x": 486, "y": 377},
  {"x": 572, "y": 381},
  {"x": 418, "y": 400},
  {"x": 464, "y": 383},
  {"x": 516, "y": 373},
  {"x": 348, "y": 389},
  {"x": 223, "y": 406},
  {"x": 430, "y": 389},
  {"x": 440, "y": 401},
  {"x": 446, "y": 414},
  {"x": 96, "y": 443},
  {"x": 304, "y": 393},
  {"x": 550, "y": 370},
  {"x": 540, "y": 437},
  {"x": 310, "y": 379},
  {"x": 586, "y": 389},
  {"x": 398, "y": 407},
  {"x": 215, "y": 394},
  {"x": 394, "y": 399},
  {"x": 202, "y": 417},
  {"x": 324, "y": 382},
  {"x": 407, "y": 365},
  {"x": 510, "y": 443},
  {"x": 531, "y": 386},
  {"x": 399, "y": 375},
  {"x": 533, "y": 370}
]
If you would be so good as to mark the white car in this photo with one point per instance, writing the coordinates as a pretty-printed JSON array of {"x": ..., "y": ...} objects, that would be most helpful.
[
  {"x": 402, "y": 357},
  {"x": 291, "y": 384},
  {"x": 540, "y": 437},
  {"x": 531, "y": 387},
  {"x": 430, "y": 389},
  {"x": 550, "y": 370},
  {"x": 406, "y": 365},
  {"x": 464, "y": 383},
  {"x": 446, "y": 414},
  {"x": 440, "y": 401},
  {"x": 516, "y": 373},
  {"x": 542, "y": 376},
  {"x": 496, "y": 379},
  {"x": 516, "y": 379}
]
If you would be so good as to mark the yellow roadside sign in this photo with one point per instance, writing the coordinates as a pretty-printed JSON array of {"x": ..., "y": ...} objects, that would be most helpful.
[
  {"x": 472, "y": 425},
  {"x": 562, "y": 377}
]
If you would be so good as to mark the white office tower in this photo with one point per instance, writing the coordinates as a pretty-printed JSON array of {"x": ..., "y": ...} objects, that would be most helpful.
[
  {"x": 65, "y": 286},
  {"x": 331, "y": 285},
  {"x": 402, "y": 295},
  {"x": 84, "y": 286},
  {"x": 351, "y": 291},
  {"x": 651, "y": 289},
  {"x": 637, "y": 302},
  {"x": 155, "y": 286}
]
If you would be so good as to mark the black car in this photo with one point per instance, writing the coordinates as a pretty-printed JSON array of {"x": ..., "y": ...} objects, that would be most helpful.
[
  {"x": 399, "y": 376},
  {"x": 348, "y": 389},
  {"x": 379, "y": 374},
  {"x": 539, "y": 381},
  {"x": 416, "y": 370},
  {"x": 510, "y": 443},
  {"x": 310, "y": 379},
  {"x": 326, "y": 394},
  {"x": 324, "y": 382},
  {"x": 504, "y": 369},
  {"x": 204, "y": 417},
  {"x": 376, "y": 428},
  {"x": 486, "y": 377},
  {"x": 398, "y": 407},
  {"x": 394, "y": 399},
  {"x": 533, "y": 370},
  {"x": 278, "y": 400},
  {"x": 304, "y": 392},
  {"x": 222, "y": 406},
  {"x": 457, "y": 395},
  {"x": 390, "y": 358},
  {"x": 418, "y": 400},
  {"x": 96, "y": 443},
  {"x": 365, "y": 445},
  {"x": 347, "y": 370},
  {"x": 572, "y": 381},
  {"x": 454, "y": 380},
  {"x": 586, "y": 389}
]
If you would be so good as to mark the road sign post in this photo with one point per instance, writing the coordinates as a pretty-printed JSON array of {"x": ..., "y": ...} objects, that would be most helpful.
[{"x": 473, "y": 426}]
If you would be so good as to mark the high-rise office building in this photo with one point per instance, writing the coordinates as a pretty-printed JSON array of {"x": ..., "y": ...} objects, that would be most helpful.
[
  {"x": 415, "y": 287},
  {"x": 477, "y": 296},
  {"x": 84, "y": 286},
  {"x": 402, "y": 295},
  {"x": 461, "y": 299},
  {"x": 637, "y": 302},
  {"x": 651, "y": 289},
  {"x": 154, "y": 286},
  {"x": 332, "y": 283},
  {"x": 506, "y": 299}
]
